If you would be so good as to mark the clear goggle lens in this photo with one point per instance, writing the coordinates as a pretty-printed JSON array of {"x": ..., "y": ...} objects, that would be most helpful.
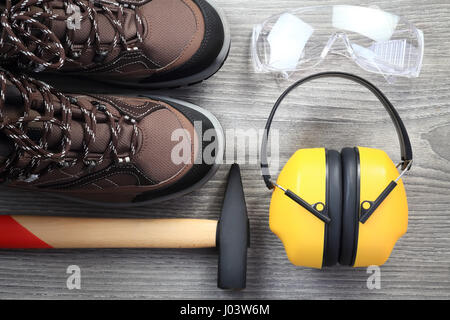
[{"x": 300, "y": 39}]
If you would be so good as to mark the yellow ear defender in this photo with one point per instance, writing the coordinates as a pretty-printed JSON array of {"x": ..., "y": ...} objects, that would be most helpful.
[{"x": 347, "y": 207}]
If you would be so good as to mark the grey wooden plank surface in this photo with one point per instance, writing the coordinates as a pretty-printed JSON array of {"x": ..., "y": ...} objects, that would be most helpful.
[{"x": 327, "y": 113}]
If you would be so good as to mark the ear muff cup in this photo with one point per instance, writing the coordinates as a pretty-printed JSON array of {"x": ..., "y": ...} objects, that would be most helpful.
[
  {"x": 334, "y": 204},
  {"x": 350, "y": 205}
]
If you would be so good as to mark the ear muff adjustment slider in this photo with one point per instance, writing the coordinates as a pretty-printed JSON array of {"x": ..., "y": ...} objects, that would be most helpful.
[
  {"x": 318, "y": 209},
  {"x": 369, "y": 207}
]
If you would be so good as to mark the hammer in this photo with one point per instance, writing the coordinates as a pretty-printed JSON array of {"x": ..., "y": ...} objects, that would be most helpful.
[{"x": 230, "y": 234}]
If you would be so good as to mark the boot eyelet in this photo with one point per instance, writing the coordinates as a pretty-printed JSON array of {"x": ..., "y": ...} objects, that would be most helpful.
[
  {"x": 29, "y": 179},
  {"x": 75, "y": 54},
  {"x": 90, "y": 163},
  {"x": 73, "y": 100},
  {"x": 100, "y": 56},
  {"x": 124, "y": 160},
  {"x": 99, "y": 106}
]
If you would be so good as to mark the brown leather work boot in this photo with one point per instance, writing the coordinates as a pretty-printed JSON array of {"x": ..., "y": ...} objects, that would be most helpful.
[
  {"x": 99, "y": 149},
  {"x": 144, "y": 43}
]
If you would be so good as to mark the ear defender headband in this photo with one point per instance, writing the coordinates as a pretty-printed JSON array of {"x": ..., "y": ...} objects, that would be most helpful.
[{"x": 345, "y": 207}]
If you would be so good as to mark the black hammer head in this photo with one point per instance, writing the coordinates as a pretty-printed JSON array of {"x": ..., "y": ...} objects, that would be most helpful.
[{"x": 233, "y": 234}]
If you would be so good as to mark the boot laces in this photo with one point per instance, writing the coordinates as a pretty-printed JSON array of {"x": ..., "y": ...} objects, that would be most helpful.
[
  {"x": 17, "y": 128},
  {"x": 42, "y": 49}
]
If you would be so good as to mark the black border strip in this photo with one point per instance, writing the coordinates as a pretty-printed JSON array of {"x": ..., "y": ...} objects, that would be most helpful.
[
  {"x": 327, "y": 194},
  {"x": 357, "y": 206}
]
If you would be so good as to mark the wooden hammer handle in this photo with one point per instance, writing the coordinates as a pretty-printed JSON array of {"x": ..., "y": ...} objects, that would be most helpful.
[{"x": 64, "y": 232}]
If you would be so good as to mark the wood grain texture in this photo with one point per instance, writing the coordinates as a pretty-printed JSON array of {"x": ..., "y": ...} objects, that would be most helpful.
[
  {"x": 331, "y": 113},
  {"x": 84, "y": 233}
]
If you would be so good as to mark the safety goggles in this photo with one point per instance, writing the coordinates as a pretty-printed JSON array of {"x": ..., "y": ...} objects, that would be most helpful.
[{"x": 300, "y": 39}]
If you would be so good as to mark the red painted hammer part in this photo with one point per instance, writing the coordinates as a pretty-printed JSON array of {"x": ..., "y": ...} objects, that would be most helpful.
[
  {"x": 15, "y": 236},
  {"x": 34, "y": 232}
]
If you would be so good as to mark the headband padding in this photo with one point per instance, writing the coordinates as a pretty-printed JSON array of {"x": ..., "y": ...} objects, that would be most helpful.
[
  {"x": 334, "y": 205},
  {"x": 350, "y": 205}
]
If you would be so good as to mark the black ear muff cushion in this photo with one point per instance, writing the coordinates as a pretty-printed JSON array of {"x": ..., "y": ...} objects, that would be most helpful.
[
  {"x": 334, "y": 204},
  {"x": 350, "y": 205}
]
